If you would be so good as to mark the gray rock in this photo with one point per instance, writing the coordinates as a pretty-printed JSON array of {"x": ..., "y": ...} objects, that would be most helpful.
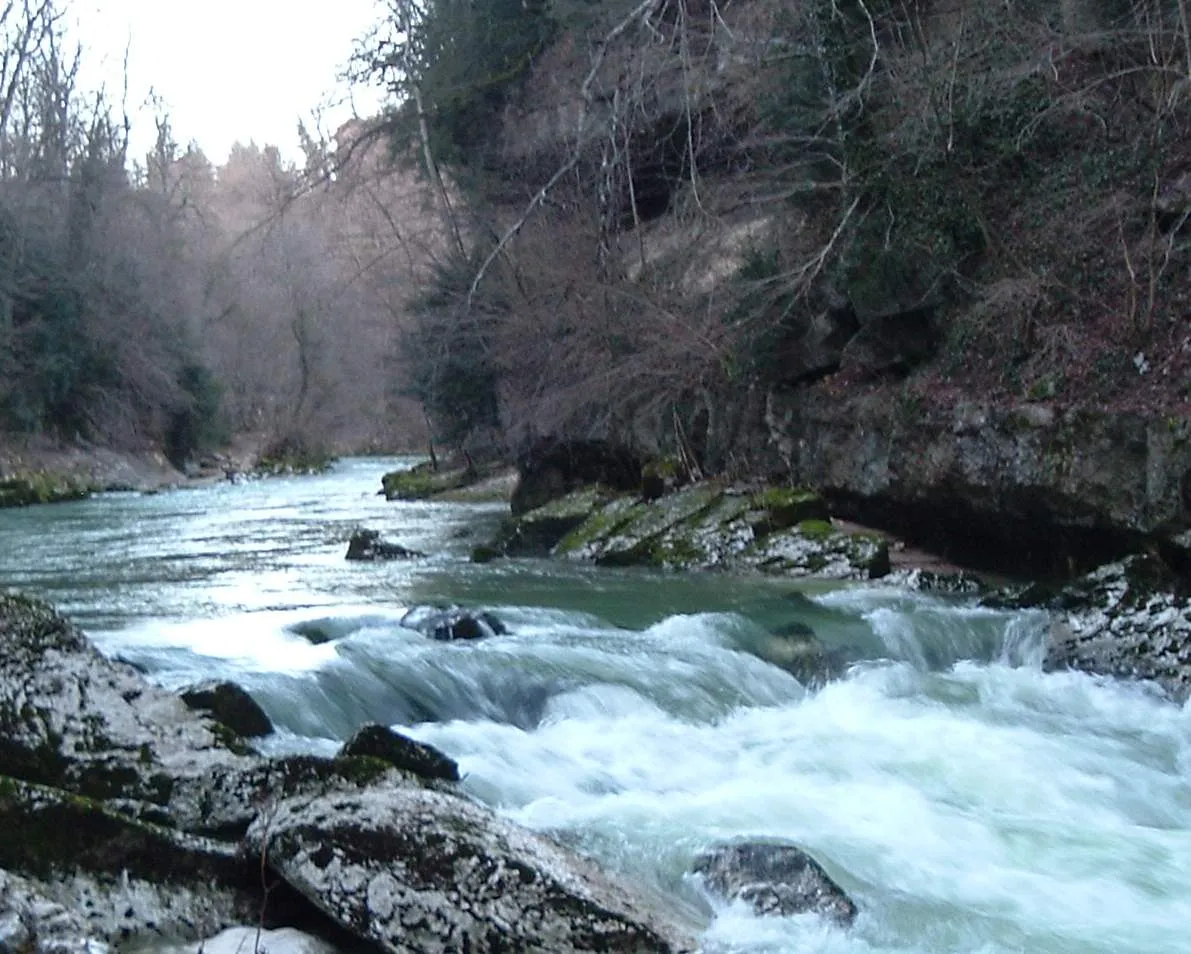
[
  {"x": 367, "y": 546},
  {"x": 380, "y": 742},
  {"x": 452, "y": 623},
  {"x": 1130, "y": 619},
  {"x": 230, "y": 705},
  {"x": 774, "y": 878},
  {"x": 795, "y": 648},
  {"x": 423, "y": 871},
  {"x": 1023, "y": 489},
  {"x": 31, "y": 923},
  {"x": 71, "y": 718}
]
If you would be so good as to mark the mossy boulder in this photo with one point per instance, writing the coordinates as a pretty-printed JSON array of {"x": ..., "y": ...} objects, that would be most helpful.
[
  {"x": 707, "y": 525},
  {"x": 410, "y": 755},
  {"x": 39, "y": 488},
  {"x": 230, "y": 705},
  {"x": 539, "y": 531},
  {"x": 71, "y": 718},
  {"x": 423, "y": 481},
  {"x": 46, "y": 831}
]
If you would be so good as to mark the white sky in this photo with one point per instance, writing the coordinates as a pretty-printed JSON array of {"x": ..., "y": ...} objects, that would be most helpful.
[{"x": 226, "y": 70}]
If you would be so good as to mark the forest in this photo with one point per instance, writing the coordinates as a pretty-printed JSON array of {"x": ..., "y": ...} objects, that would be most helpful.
[
  {"x": 638, "y": 220},
  {"x": 163, "y": 301}
]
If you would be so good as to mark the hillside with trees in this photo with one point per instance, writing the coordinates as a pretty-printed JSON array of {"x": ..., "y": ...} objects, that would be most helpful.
[
  {"x": 165, "y": 302},
  {"x": 680, "y": 211}
]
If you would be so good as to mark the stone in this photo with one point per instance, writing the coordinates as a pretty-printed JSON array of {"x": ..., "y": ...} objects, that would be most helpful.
[
  {"x": 774, "y": 879},
  {"x": 377, "y": 741},
  {"x": 452, "y": 623},
  {"x": 230, "y": 705},
  {"x": 30, "y": 923},
  {"x": 1130, "y": 619},
  {"x": 414, "y": 870},
  {"x": 553, "y": 468},
  {"x": 795, "y": 648},
  {"x": 71, "y": 718},
  {"x": 366, "y": 545}
]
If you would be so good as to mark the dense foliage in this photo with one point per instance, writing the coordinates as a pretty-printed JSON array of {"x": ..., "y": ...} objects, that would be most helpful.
[
  {"x": 686, "y": 204},
  {"x": 161, "y": 301}
]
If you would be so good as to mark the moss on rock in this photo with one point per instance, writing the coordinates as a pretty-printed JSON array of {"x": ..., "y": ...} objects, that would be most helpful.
[
  {"x": 24, "y": 490},
  {"x": 423, "y": 482}
]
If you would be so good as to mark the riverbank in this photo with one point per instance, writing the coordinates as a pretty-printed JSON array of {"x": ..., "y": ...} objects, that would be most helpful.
[{"x": 85, "y": 467}]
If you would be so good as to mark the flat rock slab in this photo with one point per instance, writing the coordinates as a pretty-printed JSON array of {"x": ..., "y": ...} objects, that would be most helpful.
[{"x": 426, "y": 872}]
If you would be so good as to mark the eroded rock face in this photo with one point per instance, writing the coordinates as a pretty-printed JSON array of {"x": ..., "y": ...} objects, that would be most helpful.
[
  {"x": 423, "y": 871},
  {"x": 775, "y": 879},
  {"x": 1026, "y": 489},
  {"x": 1130, "y": 619},
  {"x": 379, "y": 742},
  {"x": 231, "y": 705}
]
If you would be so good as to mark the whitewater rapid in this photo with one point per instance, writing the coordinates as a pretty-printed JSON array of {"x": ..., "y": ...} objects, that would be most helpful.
[{"x": 968, "y": 802}]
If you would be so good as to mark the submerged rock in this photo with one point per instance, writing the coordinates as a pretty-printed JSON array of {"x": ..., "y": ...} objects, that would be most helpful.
[
  {"x": 452, "y": 623},
  {"x": 774, "y": 878},
  {"x": 1130, "y": 619},
  {"x": 379, "y": 742},
  {"x": 230, "y": 705},
  {"x": 418, "y": 870},
  {"x": 367, "y": 545},
  {"x": 795, "y": 648}
]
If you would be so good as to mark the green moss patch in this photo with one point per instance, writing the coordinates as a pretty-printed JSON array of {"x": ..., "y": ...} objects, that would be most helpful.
[{"x": 39, "y": 488}]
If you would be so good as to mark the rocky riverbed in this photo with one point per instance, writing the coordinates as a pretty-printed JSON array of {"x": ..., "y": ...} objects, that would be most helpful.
[{"x": 115, "y": 797}]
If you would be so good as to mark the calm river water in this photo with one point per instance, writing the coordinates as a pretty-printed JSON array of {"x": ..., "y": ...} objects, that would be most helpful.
[{"x": 967, "y": 801}]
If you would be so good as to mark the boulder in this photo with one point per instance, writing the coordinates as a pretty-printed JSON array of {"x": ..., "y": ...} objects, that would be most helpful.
[
  {"x": 773, "y": 878},
  {"x": 414, "y": 870},
  {"x": 708, "y": 526},
  {"x": 73, "y": 719},
  {"x": 30, "y": 923},
  {"x": 452, "y": 623},
  {"x": 230, "y": 705},
  {"x": 367, "y": 545},
  {"x": 379, "y": 742},
  {"x": 1025, "y": 490},
  {"x": 119, "y": 875},
  {"x": 1130, "y": 619},
  {"x": 424, "y": 481},
  {"x": 553, "y": 468}
]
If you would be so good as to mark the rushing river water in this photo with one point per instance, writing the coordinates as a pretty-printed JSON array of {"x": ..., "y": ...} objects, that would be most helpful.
[{"x": 967, "y": 801}]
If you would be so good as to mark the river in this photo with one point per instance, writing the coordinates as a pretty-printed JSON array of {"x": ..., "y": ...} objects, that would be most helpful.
[{"x": 969, "y": 803}]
